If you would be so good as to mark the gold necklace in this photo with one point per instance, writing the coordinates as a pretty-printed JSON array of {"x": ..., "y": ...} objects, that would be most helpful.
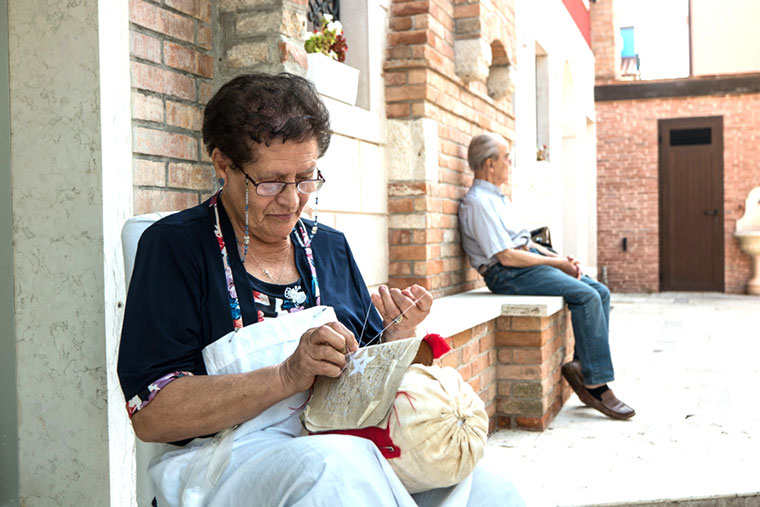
[{"x": 266, "y": 271}]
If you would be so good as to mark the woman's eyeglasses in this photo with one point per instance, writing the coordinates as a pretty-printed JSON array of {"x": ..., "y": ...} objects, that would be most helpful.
[{"x": 272, "y": 188}]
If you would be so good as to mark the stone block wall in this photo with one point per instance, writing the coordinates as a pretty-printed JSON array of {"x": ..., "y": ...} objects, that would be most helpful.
[
  {"x": 627, "y": 158},
  {"x": 261, "y": 36},
  {"x": 514, "y": 363},
  {"x": 446, "y": 80},
  {"x": 172, "y": 68}
]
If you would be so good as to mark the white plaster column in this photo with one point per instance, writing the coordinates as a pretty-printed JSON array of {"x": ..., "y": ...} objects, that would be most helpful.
[
  {"x": 8, "y": 398},
  {"x": 117, "y": 190},
  {"x": 71, "y": 190}
]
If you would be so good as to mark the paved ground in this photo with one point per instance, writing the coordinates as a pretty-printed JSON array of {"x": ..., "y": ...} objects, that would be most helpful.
[{"x": 690, "y": 365}]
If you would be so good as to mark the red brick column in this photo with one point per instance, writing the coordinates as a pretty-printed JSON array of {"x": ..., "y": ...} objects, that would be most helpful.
[
  {"x": 172, "y": 67},
  {"x": 604, "y": 41},
  {"x": 531, "y": 351},
  {"x": 433, "y": 113},
  {"x": 513, "y": 363}
]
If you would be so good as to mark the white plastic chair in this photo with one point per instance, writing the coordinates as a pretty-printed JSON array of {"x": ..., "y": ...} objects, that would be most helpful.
[{"x": 144, "y": 452}]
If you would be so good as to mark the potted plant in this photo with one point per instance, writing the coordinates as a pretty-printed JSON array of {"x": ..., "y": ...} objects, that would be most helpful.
[
  {"x": 542, "y": 153},
  {"x": 326, "y": 49}
]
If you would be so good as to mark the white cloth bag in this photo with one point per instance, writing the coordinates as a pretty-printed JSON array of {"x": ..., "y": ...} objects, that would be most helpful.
[
  {"x": 441, "y": 426},
  {"x": 186, "y": 476}
]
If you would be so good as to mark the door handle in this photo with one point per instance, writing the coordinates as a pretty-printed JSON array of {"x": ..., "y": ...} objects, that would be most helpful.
[{"x": 710, "y": 212}]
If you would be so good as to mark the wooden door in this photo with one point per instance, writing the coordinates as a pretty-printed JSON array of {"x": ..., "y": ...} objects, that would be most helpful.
[{"x": 691, "y": 204}]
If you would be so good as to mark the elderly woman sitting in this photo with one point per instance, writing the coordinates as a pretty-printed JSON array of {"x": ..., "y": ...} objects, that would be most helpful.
[{"x": 242, "y": 258}]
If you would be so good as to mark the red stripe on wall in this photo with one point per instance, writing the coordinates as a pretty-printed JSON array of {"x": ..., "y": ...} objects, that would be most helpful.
[{"x": 581, "y": 16}]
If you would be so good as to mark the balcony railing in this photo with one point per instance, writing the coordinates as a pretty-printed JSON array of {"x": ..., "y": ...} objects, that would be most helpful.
[{"x": 318, "y": 8}]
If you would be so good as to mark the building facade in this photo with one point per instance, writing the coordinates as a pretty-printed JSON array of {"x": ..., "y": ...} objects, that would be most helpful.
[
  {"x": 102, "y": 107},
  {"x": 676, "y": 158}
]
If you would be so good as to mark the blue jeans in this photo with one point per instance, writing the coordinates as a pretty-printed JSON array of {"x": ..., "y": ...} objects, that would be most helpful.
[{"x": 589, "y": 303}]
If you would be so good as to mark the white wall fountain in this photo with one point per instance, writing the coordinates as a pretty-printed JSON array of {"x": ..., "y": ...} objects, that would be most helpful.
[{"x": 748, "y": 233}]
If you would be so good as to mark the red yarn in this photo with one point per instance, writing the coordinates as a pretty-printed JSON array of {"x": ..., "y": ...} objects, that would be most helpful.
[
  {"x": 381, "y": 437},
  {"x": 437, "y": 344}
]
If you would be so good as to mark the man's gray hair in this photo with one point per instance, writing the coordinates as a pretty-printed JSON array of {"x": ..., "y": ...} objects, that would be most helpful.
[{"x": 482, "y": 148}]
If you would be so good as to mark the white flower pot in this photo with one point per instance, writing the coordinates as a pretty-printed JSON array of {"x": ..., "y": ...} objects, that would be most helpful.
[{"x": 332, "y": 78}]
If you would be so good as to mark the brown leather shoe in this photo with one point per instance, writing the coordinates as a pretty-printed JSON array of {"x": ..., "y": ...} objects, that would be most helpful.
[
  {"x": 573, "y": 373},
  {"x": 609, "y": 405}
]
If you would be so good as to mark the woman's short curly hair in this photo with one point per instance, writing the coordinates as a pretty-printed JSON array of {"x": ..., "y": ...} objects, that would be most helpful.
[{"x": 259, "y": 108}]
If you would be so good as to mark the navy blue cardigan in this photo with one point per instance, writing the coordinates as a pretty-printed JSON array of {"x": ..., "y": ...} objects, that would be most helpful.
[{"x": 178, "y": 300}]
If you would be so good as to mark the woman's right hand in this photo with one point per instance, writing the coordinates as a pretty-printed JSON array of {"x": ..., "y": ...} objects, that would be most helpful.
[{"x": 321, "y": 351}]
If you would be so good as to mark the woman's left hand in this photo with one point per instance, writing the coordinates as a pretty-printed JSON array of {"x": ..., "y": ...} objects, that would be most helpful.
[{"x": 413, "y": 302}]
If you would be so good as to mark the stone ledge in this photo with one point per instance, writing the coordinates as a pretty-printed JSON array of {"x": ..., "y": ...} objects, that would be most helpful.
[
  {"x": 456, "y": 313},
  {"x": 354, "y": 121}
]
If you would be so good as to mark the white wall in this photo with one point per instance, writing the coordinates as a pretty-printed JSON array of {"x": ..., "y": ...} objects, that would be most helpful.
[
  {"x": 725, "y": 39},
  {"x": 558, "y": 192},
  {"x": 355, "y": 199},
  {"x": 661, "y": 34},
  {"x": 71, "y": 184}
]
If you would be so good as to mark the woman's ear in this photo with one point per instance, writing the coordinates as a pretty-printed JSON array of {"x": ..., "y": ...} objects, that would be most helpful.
[{"x": 222, "y": 164}]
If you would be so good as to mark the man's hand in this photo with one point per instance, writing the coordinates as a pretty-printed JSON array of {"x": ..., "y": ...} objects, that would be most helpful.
[
  {"x": 321, "y": 351},
  {"x": 571, "y": 267},
  {"x": 577, "y": 264}
]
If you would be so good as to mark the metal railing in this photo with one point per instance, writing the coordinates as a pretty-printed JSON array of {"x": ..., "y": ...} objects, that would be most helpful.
[{"x": 318, "y": 8}]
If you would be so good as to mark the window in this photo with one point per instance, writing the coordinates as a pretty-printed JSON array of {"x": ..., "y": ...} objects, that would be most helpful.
[{"x": 542, "y": 103}]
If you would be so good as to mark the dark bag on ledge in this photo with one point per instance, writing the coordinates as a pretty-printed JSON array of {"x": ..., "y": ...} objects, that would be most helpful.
[{"x": 542, "y": 236}]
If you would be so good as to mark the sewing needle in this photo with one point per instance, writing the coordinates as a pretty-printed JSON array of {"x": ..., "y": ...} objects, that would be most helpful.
[{"x": 350, "y": 355}]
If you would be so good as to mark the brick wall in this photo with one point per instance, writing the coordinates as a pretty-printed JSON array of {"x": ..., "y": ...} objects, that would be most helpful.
[
  {"x": 172, "y": 67},
  {"x": 513, "y": 363},
  {"x": 437, "y": 67},
  {"x": 628, "y": 182}
]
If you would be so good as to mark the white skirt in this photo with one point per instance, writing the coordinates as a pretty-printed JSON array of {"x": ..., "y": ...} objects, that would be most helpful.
[{"x": 271, "y": 467}]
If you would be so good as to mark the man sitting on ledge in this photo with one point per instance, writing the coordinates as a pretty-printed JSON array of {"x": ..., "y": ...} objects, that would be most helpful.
[{"x": 512, "y": 264}]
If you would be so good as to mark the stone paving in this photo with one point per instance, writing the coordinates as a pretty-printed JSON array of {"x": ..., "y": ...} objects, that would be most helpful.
[{"x": 689, "y": 363}]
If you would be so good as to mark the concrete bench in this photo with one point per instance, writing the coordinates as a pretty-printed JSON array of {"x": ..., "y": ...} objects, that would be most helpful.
[{"x": 510, "y": 350}]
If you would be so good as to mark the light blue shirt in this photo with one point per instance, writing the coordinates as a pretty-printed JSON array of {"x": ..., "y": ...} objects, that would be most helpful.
[{"x": 484, "y": 221}]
